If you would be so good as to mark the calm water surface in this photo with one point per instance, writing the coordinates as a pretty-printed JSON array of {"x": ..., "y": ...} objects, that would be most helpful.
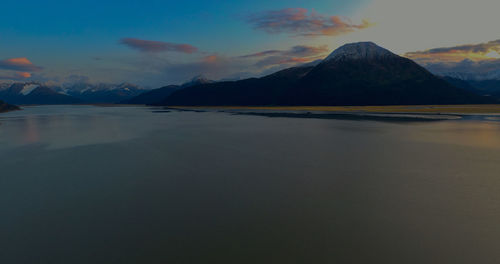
[{"x": 83, "y": 184}]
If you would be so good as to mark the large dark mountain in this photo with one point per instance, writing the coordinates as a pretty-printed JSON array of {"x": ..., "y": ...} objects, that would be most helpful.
[
  {"x": 269, "y": 90},
  {"x": 355, "y": 74},
  {"x": 5, "y": 107},
  {"x": 156, "y": 96},
  {"x": 33, "y": 93}
]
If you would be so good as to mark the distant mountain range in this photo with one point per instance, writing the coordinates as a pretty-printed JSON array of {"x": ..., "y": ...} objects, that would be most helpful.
[
  {"x": 102, "y": 93},
  {"x": 492, "y": 75},
  {"x": 156, "y": 96},
  {"x": 489, "y": 88},
  {"x": 34, "y": 93},
  {"x": 355, "y": 74}
]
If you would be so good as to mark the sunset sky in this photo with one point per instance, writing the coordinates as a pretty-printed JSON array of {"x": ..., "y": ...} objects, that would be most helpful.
[{"x": 154, "y": 43}]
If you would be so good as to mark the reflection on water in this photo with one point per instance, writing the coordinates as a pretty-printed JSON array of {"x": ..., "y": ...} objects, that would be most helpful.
[
  {"x": 60, "y": 127},
  {"x": 81, "y": 184},
  {"x": 466, "y": 133}
]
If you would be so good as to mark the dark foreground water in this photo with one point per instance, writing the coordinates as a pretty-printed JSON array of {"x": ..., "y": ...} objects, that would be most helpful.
[{"x": 86, "y": 184}]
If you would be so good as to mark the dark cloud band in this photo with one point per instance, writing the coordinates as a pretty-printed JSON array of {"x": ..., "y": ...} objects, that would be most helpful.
[{"x": 157, "y": 46}]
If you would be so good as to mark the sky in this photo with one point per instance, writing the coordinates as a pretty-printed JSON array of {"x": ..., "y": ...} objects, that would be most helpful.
[{"x": 156, "y": 43}]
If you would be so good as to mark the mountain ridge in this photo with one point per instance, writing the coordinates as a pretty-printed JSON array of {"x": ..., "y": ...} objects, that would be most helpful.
[
  {"x": 34, "y": 93},
  {"x": 155, "y": 96},
  {"x": 355, "y": 74}
]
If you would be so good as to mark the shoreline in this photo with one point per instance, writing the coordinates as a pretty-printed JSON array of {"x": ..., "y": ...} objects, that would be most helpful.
[
  {"x": 421, "y": 113},
  {"x": 5, "y": 107},
  {"x": 397, "y": 109}
]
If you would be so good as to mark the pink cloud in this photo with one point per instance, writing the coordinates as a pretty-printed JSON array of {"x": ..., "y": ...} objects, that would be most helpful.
[
  {"x": 211, "y": 59},
  {"x": 297, "y": 51},
  {"x": 294, "y": 55},
  {"x": 18, "y": 64},
  {"x": 17, "y": 76},
  {"x": 475, "y": 52},
  {"x": 23, "y": 74},
  {"x": 300, "y": 21}
]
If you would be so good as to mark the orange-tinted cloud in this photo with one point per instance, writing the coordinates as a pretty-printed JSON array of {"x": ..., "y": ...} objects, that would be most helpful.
[
  {"x": 474, "y": 52},
  {"x": 295, "y": 55},
  {"x": 297, "y": 51},
  {"x": 300, "y": 21},
  {"x": 262, "y": 54},
  {"x": 340, "y": 26},
  {"x": 16, "y": 76},
  {"x": 157, "y": 46},
  {"x": 211, "y": 59},
  {"x": 18, "y": 64},
  {"x": 23, "y": 74}
]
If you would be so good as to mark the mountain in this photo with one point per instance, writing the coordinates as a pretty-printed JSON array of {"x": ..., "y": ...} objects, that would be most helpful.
[
  {"x": 5, "y": 107},
  {"x": 360, "y": 51},
  {"x": 489, "y": 88},
  {"x": 468, "y": 72},
  {"x": 103, "y": 93},
  {"x": 156, "y": 96},
  {"x": 268, "y": 90},
  {"x": 34, "y": 93},
  {"x": 197, "y": 80},
  {"x": 153, "y": 96},
  {"x": 366, "y": 74},
  {"x": 354, "y": 74}
]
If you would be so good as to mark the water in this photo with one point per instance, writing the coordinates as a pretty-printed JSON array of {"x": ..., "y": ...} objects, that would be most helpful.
[{"x": 83, "y": 184}]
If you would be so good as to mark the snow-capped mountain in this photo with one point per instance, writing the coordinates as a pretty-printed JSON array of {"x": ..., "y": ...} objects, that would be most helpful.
[
  {"x": 357, "y": 51},
  {"x": 355, "y": 74},
  {"x": 102, "y": 93},
  {"x": 200, "y": 79},
  {"x": 34, "y": 93},
  {"x": 37, "y": 93}
]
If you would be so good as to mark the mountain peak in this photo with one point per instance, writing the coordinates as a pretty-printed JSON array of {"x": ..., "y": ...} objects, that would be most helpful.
[
  {"x": 360, "y": 50},
  {"x": 200, "y": 79}
]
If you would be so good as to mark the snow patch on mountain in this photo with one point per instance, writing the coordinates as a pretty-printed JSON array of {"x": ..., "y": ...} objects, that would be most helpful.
[
  {"x": 28, "y": 88},
  {"x": 358, "y": 51}
]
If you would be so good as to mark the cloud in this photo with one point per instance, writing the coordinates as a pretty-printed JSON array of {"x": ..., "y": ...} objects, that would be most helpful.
[
  {"x": 157, "y": 70},
  {"x": 302, "y": 22},
  {"x": 19, "y": 64},
  {"x": 473, "y": 52},
  {"x": 23, "y": 74},
  {"x": 157, "y": 46},
  {"x": 211, "y": 59},
  {"x": 76, "y": 78},
  {"x": 295, "y": 55},
  {"x": 261, "y": 54},
  {"x": 300, "y": 50},
  {"x": 408, "y": 25},
  {"x": 15, "y": 76},
  {"x": 283, "y": 60},
  {"x": 467, "y": 69},
  {"x": 472, "y": 61}
]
